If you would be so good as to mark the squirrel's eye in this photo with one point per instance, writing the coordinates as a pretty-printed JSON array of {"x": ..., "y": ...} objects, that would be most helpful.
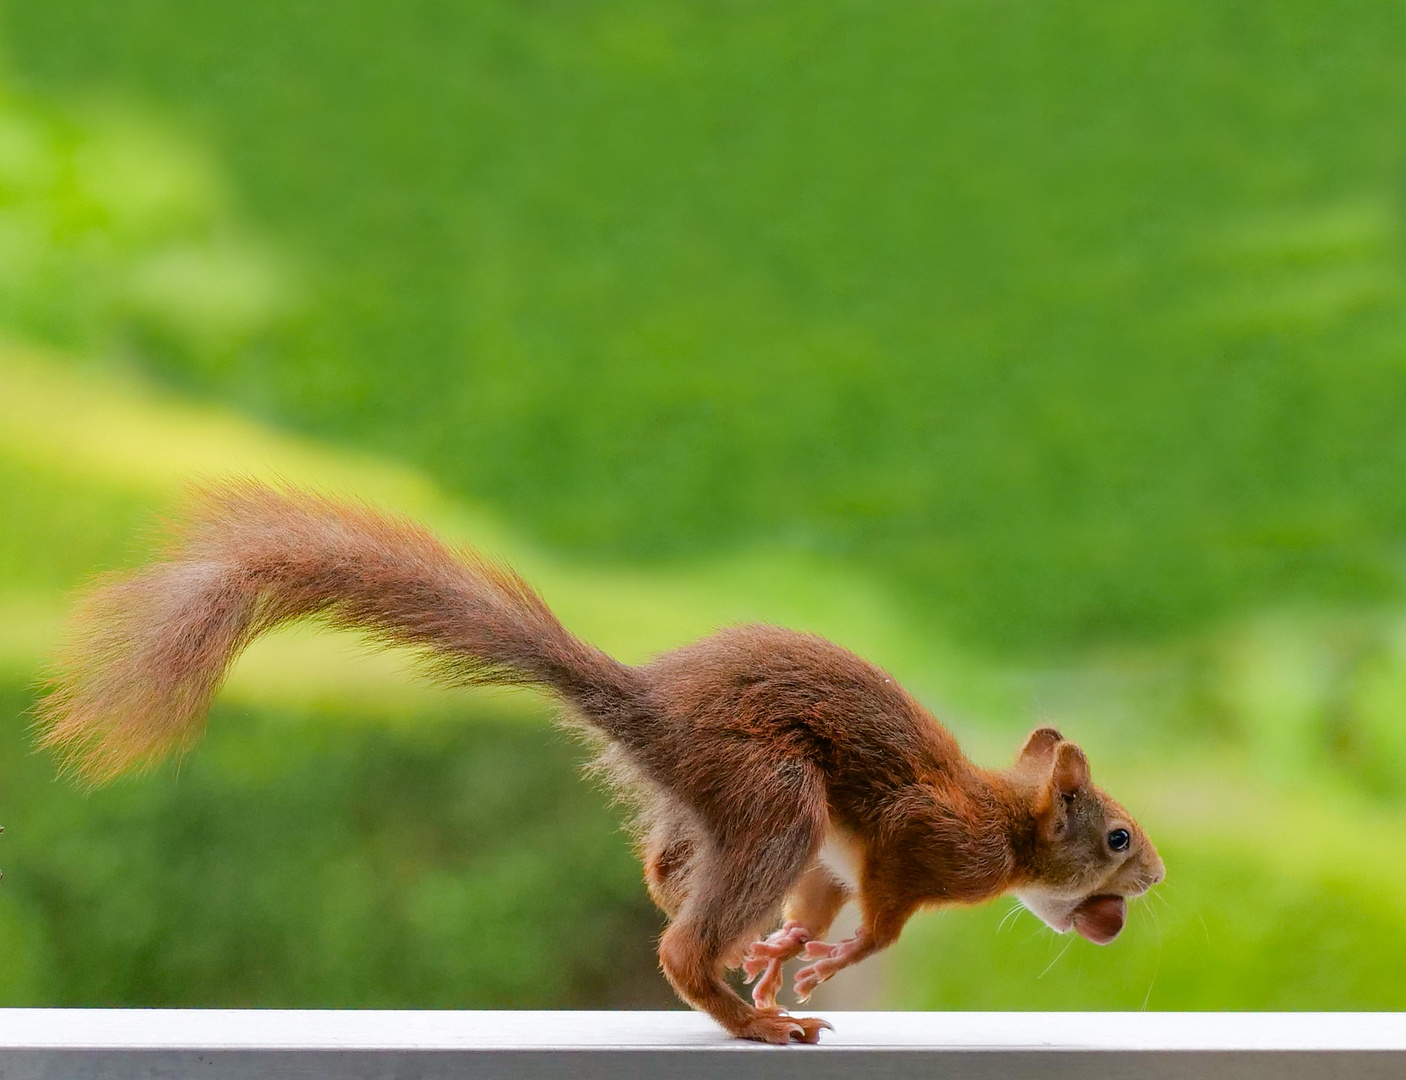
[{"x": 1119, "y": 839}]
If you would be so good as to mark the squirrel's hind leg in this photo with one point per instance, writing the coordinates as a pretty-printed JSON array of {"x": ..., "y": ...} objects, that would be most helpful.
[{"x": 738, "y": 878}]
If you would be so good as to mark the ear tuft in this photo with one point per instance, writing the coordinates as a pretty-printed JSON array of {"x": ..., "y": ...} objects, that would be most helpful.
[
  {"x": 1040, "y": 743},
  {"x": 1070, "y": 773}
]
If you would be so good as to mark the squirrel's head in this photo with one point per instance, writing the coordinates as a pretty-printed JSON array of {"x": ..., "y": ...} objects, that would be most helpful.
[{"x": 1086, "y": 856}]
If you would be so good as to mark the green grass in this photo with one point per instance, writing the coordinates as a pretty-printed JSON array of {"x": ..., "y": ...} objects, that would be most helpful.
[{"x": 1073, "y": 323}]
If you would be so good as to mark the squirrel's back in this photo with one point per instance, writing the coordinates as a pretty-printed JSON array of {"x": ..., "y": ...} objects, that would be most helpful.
[{"x": 803, "y": 695}]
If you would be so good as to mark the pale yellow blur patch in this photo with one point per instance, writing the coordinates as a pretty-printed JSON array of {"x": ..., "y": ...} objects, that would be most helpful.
[
  {"x": 109, "y": 429},
  {"x": 101, "y": 424}
]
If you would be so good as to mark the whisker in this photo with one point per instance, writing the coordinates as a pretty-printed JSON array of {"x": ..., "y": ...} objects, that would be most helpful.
[
  {"x": 1161, "y": 941},
  {"x": 1010, "y": 916},
  {"x": 1155, "y": 972},
  {"x": 1195, "y": 910},
  {"x": 1056, "y": 960},
  {"x": 1156, "y": 919}
]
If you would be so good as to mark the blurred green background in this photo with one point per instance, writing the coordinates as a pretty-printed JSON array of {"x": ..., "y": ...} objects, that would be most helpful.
[{"x": 1051, "y": 355}]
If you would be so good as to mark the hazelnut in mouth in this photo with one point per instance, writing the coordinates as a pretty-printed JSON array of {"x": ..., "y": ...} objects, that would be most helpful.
[{"x": 1100, "y": 918}]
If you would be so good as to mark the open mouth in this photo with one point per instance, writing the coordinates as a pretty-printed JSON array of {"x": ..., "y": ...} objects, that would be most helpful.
[{"x": 1100, "y": 918}]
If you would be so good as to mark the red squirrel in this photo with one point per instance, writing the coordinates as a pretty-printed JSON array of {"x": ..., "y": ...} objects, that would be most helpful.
[{"x": 775, "y": 772}]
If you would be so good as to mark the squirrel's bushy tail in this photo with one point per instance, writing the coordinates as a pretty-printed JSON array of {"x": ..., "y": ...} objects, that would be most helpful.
[{"x": 147, "y": 651}]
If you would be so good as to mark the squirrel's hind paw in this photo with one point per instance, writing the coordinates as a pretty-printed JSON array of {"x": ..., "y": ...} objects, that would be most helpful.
[{"x": 775, "y": 1026}]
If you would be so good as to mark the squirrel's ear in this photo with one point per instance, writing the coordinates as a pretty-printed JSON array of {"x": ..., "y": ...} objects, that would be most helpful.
[
  {"x": 1041, "y": 742},
  {"x": 1069, "y": 772}
]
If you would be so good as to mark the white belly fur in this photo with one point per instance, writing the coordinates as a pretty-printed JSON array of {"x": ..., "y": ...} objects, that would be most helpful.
[{"x": 840, "y": 857}]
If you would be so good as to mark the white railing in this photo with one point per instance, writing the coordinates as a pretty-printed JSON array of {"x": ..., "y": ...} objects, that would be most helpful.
[{"x": 115, "y": 1044}]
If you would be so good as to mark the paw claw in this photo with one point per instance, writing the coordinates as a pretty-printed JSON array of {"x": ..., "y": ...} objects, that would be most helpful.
[
  {"x": 807, "y": 979},
  {"x": 778, "y": 1027}
]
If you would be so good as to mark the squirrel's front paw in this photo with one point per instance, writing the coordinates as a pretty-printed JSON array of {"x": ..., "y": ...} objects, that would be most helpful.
[
  {"x": 765, "y": 959},
  {"x": 827, "y": 962},
  {"x": 782, "y": 945}
]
